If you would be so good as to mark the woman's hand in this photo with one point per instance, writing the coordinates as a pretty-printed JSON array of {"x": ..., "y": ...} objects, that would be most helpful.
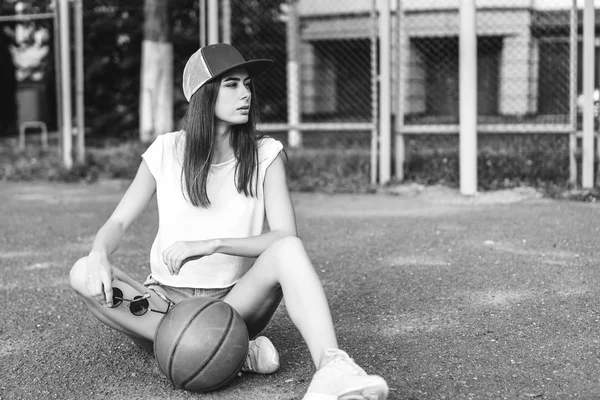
[
  {"x": 176, "y": 255},
  {"x": 98, "y": 278}
]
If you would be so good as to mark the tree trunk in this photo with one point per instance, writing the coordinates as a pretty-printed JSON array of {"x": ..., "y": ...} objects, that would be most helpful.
[{"x": 156, "y": 86}]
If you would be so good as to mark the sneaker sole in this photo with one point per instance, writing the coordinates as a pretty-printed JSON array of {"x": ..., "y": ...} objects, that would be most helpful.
[{"x": 375, "y": 392}]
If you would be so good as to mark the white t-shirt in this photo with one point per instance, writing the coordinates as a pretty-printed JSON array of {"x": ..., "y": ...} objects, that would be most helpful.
[{"x": 230, "y": 215}]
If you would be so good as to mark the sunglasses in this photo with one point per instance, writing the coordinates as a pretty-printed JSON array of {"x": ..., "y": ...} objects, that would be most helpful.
[{"x": 138, "y": 306}]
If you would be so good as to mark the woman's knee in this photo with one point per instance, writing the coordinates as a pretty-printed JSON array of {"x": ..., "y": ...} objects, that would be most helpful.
[
  {"x": 287, "y": 253},
  {"x": 77, "y": 276},
  {"x": 285, "y": 246}
]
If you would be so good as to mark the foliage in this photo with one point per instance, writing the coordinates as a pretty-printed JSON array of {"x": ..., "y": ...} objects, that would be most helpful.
[
  {"x": 329, "y": 170},
  {"x": 113, "y": 34},
  {"x": 503, "y": 161},
  {"x": 37, "y": 164},
  {"x": 113, "y": 162},
  {"x": 538, "y": 161},
  {"x": 112, "y": 56}
]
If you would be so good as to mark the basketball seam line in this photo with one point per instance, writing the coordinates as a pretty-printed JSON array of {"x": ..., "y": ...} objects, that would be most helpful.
[
  {"x": 187, "y": 325},
  {"x": 239, "y": 367},
  {"x": 222, "y": 339}
]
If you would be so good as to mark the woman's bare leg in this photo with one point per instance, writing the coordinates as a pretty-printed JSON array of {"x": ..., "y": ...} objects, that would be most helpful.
[
  {"x": 284, "y": 268},
  {"x": 120, "y": 318}
]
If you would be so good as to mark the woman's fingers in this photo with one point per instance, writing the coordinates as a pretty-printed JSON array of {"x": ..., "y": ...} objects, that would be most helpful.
[
  {"x": 167, "y": 260},
  {"x": 173, "y": 257},
  {"x": 98, "y": 281},
  {"x": 108, "y": 291},
  {"x": 94, "y": 286},
  {"x": 176, "y": 255}
]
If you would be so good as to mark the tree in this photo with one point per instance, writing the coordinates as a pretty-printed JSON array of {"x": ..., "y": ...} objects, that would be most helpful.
[{"x": 156, "y": 84}]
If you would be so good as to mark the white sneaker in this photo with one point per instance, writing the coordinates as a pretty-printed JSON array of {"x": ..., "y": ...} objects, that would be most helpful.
[
  {"x": 342, "y": 379},
  {"x": 262, "y": 357}
]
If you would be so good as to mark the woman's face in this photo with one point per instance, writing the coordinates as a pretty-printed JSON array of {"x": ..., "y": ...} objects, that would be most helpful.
[{"x": 233, "y": 99}]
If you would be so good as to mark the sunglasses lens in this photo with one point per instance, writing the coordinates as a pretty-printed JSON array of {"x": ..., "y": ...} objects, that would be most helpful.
[
  {"x": 117, "y": 296},
  {"x": 139, "y": 306}
]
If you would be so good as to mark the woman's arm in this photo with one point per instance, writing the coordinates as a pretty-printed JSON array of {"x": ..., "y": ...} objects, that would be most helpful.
[
  {"x": 132, "y": 204},
  {"x": 280, "y": 216}
]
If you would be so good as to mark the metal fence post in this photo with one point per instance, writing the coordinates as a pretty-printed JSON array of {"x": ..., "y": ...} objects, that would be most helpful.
[
  {"x": 213, "y": 21},
  {"x": 468, "y": 98},
  {"x": 67, "y": 139},
  {"x": 385, "y": 113},
  {"x": 226, "y": 29},
  {"x": 402, "y": 53},
  {"x": 293, "y": 75},
  {"x": 79, "y": 105},
  {"x": 374, "y": 93},
  {"x": 202, "y": 22},
  {"x": 587, "y": 164},
  {"x": 573, "y": 49},
  {"x": 57, "y": 69}
]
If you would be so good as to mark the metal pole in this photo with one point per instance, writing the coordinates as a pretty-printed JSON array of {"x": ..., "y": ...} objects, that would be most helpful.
[
  {"x": 202, "y": 21},
  {"x": 468, "y": 98},
  {"x": 587, "y": 166},
  {"x": 226, "y": 21},
  {"x": 63, "y": 7},
  {"x": 213, "y": 21},
  {"x": 57, "y": 72},
  {"x": 18, "y": 40},
  {"x": 374, "y": 93},
  {"x": 293, "y": 75},
  {"x": 402, "y": 58},
  {"x": 573, "y": 49},
  {"x": 79, "y": 104},
  {"x": 385, "y": 114}
]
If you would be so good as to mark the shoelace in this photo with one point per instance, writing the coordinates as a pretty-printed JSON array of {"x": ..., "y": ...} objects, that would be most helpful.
[{"x": 345, "y": 360}]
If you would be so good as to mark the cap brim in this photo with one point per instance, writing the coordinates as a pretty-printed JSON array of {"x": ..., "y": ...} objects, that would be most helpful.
[{"x": 254, "y": 67}]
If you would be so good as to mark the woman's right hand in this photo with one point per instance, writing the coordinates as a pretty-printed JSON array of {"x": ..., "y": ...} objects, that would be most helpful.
[{"x": 99, "y": 278}]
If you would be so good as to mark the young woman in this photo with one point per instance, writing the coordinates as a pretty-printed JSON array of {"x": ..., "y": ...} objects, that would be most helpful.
[{"x": 215, "y": 181}]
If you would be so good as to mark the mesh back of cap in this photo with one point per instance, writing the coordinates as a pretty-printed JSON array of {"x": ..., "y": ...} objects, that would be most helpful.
[{"x": 195, "y": 74}]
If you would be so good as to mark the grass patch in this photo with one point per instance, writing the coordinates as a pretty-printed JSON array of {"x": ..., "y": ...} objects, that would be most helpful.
[
  {"x": 324, "y": 165},
  {"x": 329, "y": 170},
  {"x": 503, "y": 161},
  {"x": 115, "y": 161}
]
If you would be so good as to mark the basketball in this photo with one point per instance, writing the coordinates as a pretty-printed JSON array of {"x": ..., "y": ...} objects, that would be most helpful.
[{"x": 201, "y": 344}]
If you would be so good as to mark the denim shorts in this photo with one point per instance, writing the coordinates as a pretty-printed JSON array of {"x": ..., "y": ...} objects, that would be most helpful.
[{"x": 174, "y": 295}]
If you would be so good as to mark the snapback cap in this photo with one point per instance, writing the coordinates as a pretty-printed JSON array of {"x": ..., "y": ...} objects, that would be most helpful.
[{"x": 212, "y": 61}]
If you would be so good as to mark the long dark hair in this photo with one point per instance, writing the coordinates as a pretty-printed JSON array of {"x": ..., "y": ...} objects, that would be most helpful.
[{"x": 199, "y": 146}]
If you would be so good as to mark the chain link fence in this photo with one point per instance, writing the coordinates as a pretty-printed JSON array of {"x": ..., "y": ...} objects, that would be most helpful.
[
  {"x": 330, "y": 94},
  {"x": 529, "y": 68},
  {"x": 524, "y": 72},
  {"x": 324, "y": 84},
  {"x": 320, "y": 97},
  {"x": 528, "y": 72},
  {"x": 523, "y": 69}
]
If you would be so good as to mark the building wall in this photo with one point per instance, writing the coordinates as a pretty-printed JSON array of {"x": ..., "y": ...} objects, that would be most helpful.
[
  {"x": 517, "y": 66},
  {"x": 516, "y": 70},
  {"x": 340, "y": 7},
  {"x": 517, "y": 91},
  {"x": 309, "y": 85},
  {"x": 415, "y": 85}
]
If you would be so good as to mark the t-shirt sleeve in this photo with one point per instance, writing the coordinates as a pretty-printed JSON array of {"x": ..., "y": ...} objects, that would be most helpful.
[
  {"x": 154, "y": 156},
  {"x": 268, "y": 151}
]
